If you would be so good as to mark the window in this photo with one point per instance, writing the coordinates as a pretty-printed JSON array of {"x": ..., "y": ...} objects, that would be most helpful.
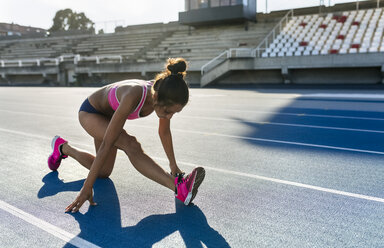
[
  {"x": 194, "y": 4},
  {"x": 225, "y": 2},
  {"x": 187, "y": 5},
  {"x": 215, "y": 3},
  {"x": 236, "y": 2},
  {"x": 203, "y": 4}
]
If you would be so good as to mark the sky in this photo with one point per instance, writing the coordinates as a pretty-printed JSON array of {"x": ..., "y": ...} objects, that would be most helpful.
[{"x": 108, "y": 14}]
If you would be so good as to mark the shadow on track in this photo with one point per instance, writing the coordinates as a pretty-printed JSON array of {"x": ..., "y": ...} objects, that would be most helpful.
[
  {"x": 101, "y": 225},
  {"x": 318, "y": 127}
]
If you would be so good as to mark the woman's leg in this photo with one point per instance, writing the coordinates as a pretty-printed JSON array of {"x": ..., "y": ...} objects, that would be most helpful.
[
  {"x": 83, "y": 157},
  {"x": 96, "y": 125},
  {"x": 86, "y": 159}
]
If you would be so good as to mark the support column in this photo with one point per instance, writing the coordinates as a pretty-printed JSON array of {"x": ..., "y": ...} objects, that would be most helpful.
[
  {"x": 286, "y": 75},
  {"x": 382, "y": 74}
]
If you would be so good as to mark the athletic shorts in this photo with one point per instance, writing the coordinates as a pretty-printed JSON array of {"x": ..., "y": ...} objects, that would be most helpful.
[{"x": 87, "y": 107}]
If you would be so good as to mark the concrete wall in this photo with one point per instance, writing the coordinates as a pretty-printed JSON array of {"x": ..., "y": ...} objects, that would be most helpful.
[
  {"x": 323, "y": 69},
  {"x": 305, "y": 76},
  {"x": 253, "y": 77},
  {"x": 360, "y": 75}
]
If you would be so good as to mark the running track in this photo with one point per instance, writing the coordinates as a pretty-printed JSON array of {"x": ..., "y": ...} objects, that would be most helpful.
[{"x": 285, "y": 168}]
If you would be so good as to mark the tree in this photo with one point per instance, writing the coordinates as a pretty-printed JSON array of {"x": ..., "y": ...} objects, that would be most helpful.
[{"x": 66, "y": 20}]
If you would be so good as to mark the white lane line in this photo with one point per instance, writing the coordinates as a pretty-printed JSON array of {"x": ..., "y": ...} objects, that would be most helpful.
[
  {"x": 301, "y": 185},
  {"x": 43, "y": 225},
  {"x": 279, "y": 141},
  {"x": 223, "y": 119},
  {"x": 235, "y": 110},
  {"x": 234, "y": 137},
  {"x": 274, "y": 113},
  {"x": 284, "y": 124},
  {"x": 36, "y": 114},
  {"x": 343, "y": 95},
  {"x": 248, "y": 175}
]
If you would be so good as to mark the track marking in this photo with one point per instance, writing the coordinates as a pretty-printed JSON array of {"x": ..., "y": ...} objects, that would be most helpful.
[
  {"x": 345, "y": 96},
  {"x": 288, "y": 113},
  {"x": 286, "y": 124},
  {"x": 254, "y": 176},
  {"x": 274, "y": 180},
  {"x": 238, "y": 110},
  {"x": 279, "y": 141},
  {"x": 235, "y": 137},
  {"x": 49, "y": 228},
  {"x": 224, "y": 119}
]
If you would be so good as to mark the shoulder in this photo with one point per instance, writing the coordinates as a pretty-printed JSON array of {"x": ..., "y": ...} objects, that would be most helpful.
[
  {"x": 131, "y": 90},
  {"x": 130, "y": 95}
]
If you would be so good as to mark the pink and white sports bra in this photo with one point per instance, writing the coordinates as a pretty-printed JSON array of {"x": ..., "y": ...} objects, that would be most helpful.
[{"x": 114, "y": 102}]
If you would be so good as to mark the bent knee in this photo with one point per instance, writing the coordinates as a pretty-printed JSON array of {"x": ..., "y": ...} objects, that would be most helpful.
[
  {"x": 104, "y": 175},
  {"x": 132, "y": 146}
]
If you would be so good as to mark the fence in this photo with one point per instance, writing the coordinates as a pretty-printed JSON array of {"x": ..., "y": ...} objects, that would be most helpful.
[
  {"x": 58, "y": 60},
  {"x": 248, "y": 52}
]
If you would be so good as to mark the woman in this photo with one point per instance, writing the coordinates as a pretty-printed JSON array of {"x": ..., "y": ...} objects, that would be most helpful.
[{"x": 103, "y": 115}]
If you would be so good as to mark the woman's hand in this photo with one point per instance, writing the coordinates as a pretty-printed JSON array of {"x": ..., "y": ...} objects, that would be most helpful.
[
  {"x": 175, "y": 169},
  {"x": 84, "y": 195}
]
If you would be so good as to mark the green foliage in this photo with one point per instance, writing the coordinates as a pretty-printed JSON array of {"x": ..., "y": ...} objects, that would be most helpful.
[{"x": 67, "y": 20}]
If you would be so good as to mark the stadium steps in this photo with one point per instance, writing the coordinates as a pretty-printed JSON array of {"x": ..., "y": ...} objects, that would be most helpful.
[
  {"x": 35, "y": 48},
  {"x": 225, "y": 69},
  {"x": 3, "y": 47},
  {"x": 129, "y": 45},
  {"x": 204, "y": 43},
  {"x": 139, "y": 56}
]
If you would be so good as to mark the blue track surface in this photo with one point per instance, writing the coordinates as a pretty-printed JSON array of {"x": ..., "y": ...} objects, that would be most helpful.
[{"x": 285, "y": 168}]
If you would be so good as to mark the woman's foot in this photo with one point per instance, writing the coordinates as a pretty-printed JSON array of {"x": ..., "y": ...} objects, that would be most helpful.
[
  {"x": 55, "y": 158},
  {"x": 186, "y": 188}
]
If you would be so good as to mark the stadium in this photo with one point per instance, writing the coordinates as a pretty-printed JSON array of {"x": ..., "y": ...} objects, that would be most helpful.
[
  {"x": 339, "y": 44},
  {"x": 283, "y": 120}
]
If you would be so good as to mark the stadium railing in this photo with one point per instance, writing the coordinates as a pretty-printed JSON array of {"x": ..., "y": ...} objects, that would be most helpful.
[
  {"x": 29, "y": 62},
  {"x": 247, "y": 52},
  {"x": 56, "y": 61}
]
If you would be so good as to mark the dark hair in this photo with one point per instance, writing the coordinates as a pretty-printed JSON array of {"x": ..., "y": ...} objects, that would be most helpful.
[{"x": 170, "y": 85}]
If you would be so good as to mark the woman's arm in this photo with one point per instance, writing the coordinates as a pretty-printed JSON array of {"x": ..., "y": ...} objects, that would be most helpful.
[
  {"x": 166, "y": 141},
  {"x": 127, "y": 105}
]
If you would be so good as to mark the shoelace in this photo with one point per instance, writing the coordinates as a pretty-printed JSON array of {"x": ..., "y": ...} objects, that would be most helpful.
[
  {"x": 178, "y": 174},
  {"x": 181, "y": 179}
]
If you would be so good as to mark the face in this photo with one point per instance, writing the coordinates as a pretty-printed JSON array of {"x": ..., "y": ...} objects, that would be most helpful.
[{"x": 167, "y": 111}]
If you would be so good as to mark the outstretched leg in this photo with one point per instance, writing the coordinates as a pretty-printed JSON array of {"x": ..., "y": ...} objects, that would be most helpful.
[
  {"x": 96, "y": 125},
  {"x": 185, "y": 189}
]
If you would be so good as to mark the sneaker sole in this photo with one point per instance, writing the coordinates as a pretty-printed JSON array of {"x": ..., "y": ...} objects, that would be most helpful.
[
  {"x": 53, "y": 142},
  {"x": 53, "y": 147},
  {"x": 200, "y": 175}
]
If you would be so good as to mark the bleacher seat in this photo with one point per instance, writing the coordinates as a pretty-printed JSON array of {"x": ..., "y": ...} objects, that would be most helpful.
[{"x": 334, "y": 33}]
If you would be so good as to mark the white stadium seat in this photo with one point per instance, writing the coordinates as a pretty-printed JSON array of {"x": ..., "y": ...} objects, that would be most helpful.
[{"x": 353, "y": 32}]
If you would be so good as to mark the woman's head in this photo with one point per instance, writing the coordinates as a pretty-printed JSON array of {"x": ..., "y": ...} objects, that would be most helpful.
[{"x": 170, "y": 88}]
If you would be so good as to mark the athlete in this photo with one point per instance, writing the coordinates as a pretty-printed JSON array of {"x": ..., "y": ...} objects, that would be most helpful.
[{"x": 103, "y": 115}]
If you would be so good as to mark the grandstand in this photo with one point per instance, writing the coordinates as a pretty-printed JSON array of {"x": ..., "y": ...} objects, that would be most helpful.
[
  {"x": 347, "y": 32},
  {"x": 280, "y": 47}
]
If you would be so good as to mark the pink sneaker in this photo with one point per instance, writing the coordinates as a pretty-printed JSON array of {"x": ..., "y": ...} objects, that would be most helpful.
[
  {"x": 187, "y": 187},
  {"x": 54, "y": 159}
]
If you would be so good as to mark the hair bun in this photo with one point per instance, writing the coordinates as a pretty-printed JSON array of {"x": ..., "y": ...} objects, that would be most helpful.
[{"x": 177, "y": 65}]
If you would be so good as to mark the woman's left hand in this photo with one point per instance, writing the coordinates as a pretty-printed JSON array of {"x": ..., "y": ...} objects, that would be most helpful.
[
  {"x": 175, "y": 169},
  {"x": 85, "y": 194}
]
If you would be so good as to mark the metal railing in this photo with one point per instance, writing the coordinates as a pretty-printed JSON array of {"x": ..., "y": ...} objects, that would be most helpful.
[
  {"x": 248, "y": 52},
  {"x": 264, "y": 44},
  {"x": 56, "y": 61},
  {"x": 97, "y": 59},
  {"x": 215, "y": 62},
  {"x": 28, "y": 62}
]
